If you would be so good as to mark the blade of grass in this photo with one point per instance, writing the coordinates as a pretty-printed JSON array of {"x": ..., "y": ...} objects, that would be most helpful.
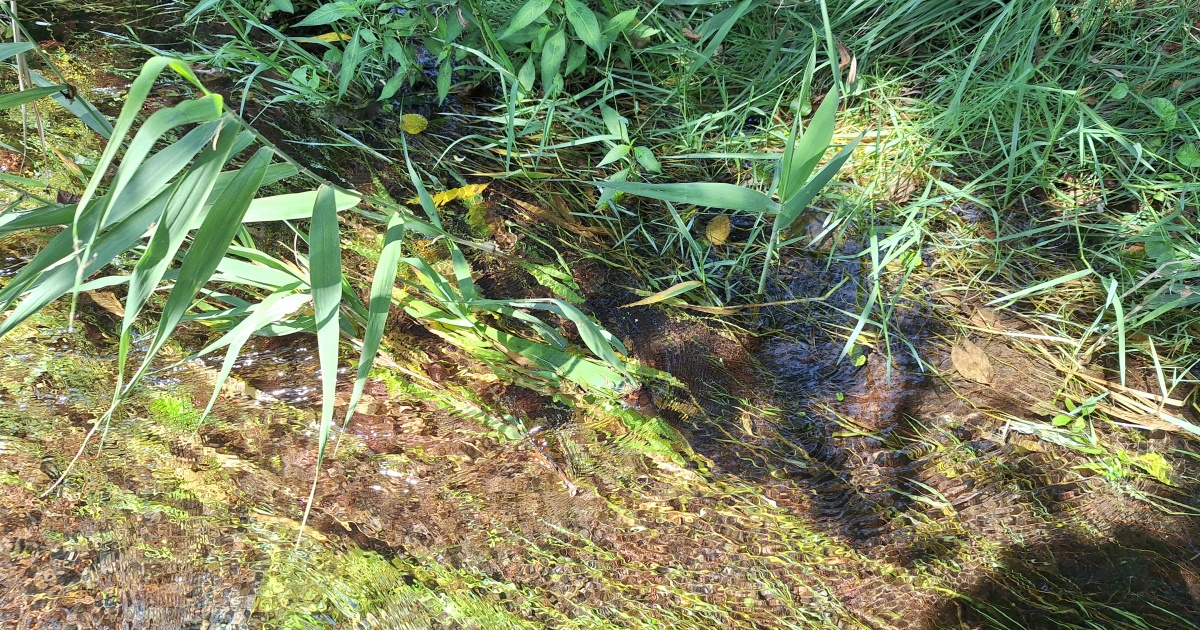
[
  {"x": 326, "y": 273},
  {"x": 382, "y": 285}
]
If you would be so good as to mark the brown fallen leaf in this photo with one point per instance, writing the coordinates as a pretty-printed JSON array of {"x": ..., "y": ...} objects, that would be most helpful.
[
  {"x": 717, "y": 231},
  {"x": 971, "y": 362},
  {"x": 107, "y": 301}
]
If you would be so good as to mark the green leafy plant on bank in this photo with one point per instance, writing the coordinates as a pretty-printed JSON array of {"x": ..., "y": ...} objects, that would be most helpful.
[
  {"x": 169, "y": 218},
  {"x": 375, "y": 48},
  {"x": 796, "y": 184}
]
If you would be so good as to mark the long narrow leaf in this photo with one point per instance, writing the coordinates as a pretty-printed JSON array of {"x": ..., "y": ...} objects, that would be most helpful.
[
  {"x": 147, "y": 182},
  {"x": 325, "y": 270},
  {"x": 207, "y": 250},
  {"x": 138, "y": 92},
  {"x": 187, "y": 199},
  {"x": 381, "y": 301},
  {"x": 795, "y": 206},
  {"x": 12, "y": 49},
  {"x": 274, "y": 307},
  {"x": 710, "y": 194},
  {"x": 77, "y": 105},
  {"x": 16, "y": 99},
  {"x": 806, "y": 152}
]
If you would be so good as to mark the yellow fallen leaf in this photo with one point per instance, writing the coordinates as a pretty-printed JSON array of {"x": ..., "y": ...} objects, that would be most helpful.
[
  {"x": 413, "y": 123},
  {"x": 333, "y": 37},
  {"x": 971, "y": 362},
  {"x": 454, "y": 194},
  {"x": 718, "y": 229}
]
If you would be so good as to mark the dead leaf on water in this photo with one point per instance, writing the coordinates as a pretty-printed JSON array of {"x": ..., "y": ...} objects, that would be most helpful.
[
  {"x": 413, "y": 123},
  {"x": 717, "y": 231},
  {"x": 107, "y": 301},
  {"x": 971, "y": 362}
]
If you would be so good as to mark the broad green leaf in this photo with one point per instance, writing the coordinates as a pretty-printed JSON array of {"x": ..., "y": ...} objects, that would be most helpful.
[
  {"x": 645, "y": 157},
  {"x": 614, "y": 154},
  {"x": 795, "y": 206},
  {"x": 585, "y": 25},
  {"x": 16, "y": 99},
  {"x": 575, "y": 58},
  {"x": 613, "y": 122},
  {"x": 617, "y": 25},
  {"x": 666, "y": 294},
  {"x": 444, "y": 78},
  {"x": 381, "y": 302},
  {"x": 707, "y": 194},
  {"x": 527, "y": 75},
  {"x": 1188, "y": 156},
  {"x": 553, "y": 53},
  {"x": 1167, "y": 114},
  {"x": 352, "y": 57},
  {"x": 526, "y": 15},
  {"x": 803, "y": 154},
  {"x": 328, "y": 14}
]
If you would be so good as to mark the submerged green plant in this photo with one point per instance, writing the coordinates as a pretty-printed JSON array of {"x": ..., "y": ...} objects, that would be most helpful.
[{"x": 170, "y": 217}]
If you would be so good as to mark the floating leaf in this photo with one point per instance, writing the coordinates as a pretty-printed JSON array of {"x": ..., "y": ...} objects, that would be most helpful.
[
  {"x": 971, "y": 362},
  {"x": 717, "y": 231},
  {"x": 413, "y": 123}
]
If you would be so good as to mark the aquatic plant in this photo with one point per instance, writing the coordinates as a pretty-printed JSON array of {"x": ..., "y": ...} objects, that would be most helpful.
[{"x": 170, "y": 217}]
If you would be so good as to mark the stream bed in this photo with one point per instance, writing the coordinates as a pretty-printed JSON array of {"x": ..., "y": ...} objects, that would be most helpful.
[{"x": 813, "y": 494}]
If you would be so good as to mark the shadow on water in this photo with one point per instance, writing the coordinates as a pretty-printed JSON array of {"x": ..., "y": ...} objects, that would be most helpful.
[
  {"x": 901, "y": 467},
  {"x": 1132, "y": 578}
]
